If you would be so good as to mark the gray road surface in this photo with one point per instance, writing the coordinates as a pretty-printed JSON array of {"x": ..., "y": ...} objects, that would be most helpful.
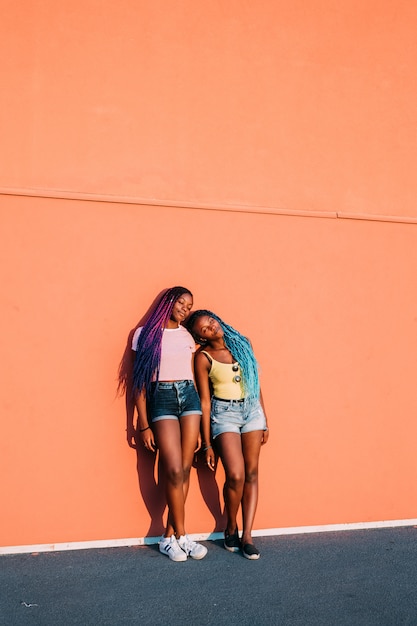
[{"x": 353, "y": 578}]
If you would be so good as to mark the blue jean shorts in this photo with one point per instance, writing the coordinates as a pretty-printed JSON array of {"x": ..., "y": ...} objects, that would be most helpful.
[
  {"x": 236, "y": 416},
  {"x": 170, "y": 401}
]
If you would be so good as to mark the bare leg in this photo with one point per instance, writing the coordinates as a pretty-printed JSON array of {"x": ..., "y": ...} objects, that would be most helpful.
[
  {"x": 210, "y": 491},
  {"x": 168, "y": 439},
  {"x": 251, "y": 446},
  {"x": 190, "y": 428},
  {"x": 229, "y": 446},
  {"x": 177, "y": 442}
]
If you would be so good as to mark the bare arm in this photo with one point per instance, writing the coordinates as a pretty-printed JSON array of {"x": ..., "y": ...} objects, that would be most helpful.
[
  {"x": 201, "y": 369},
  {"x": 261, "y": 400},
  {"x": 265, "y": 436},
  {"x": 198, "y": 446},
  {"x": 144, "y": 432},
  {"x": 130, "y": 404}
]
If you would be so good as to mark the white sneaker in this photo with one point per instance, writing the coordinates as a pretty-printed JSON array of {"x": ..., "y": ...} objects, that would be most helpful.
[
  {"x": 170, "y": 547},
  {"x": 191, "y": 548}
]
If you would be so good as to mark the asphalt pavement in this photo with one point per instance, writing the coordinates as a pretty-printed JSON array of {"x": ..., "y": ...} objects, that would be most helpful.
[{"x": 348, "y": 578}]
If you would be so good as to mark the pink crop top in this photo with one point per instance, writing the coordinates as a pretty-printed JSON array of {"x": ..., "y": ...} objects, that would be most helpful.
[{"x": 176, "y": 353}]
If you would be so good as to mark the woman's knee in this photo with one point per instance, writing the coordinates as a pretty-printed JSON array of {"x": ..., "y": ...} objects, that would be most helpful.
[
  {"x": 175, "y": 475},
  {"x": 186, "y": 472},
  {"x": 235, "y": 479},
  {"x": 251, "y": 475}
]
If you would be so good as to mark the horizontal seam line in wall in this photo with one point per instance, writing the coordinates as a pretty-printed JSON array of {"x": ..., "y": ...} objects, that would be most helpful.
[{"x": 106, "y": 198}]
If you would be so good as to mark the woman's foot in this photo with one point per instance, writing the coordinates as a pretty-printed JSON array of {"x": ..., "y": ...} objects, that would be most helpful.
[
  {"x": 232, "y": 542},
  {"x": 192, "y": 548},
  {"x": 170, "y": 547},
  {"x": 250, "y": 552}
]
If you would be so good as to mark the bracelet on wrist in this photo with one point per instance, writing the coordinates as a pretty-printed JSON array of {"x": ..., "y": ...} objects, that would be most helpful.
[
  {"x": 207, "y": 448},
  {"x": 142, "y": 430}
]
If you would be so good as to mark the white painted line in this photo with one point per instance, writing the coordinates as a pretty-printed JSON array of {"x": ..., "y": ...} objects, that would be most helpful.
[{"x": 146, "y": 541}]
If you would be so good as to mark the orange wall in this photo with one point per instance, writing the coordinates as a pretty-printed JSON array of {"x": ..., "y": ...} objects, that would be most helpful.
[
  {"x": 296, "y": 105},
  {"x": 326, "y": 302},
  {"x": 186, "y": 120}
]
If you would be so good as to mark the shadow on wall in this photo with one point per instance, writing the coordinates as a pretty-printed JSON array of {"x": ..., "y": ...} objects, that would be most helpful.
[
  {"x": 152, "y": 489},
  {"x": 150, "y": 476}
]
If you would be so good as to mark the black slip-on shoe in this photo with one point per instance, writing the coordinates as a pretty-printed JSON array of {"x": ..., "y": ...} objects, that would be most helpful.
[
  {"x": 232, "y": 542},
  {"x": 250, "y": 552}
]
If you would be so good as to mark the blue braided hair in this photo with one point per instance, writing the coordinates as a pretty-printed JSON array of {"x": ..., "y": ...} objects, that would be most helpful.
[
  {"x": 240, "y": 348},
  {"x": 148, "y": 351}
]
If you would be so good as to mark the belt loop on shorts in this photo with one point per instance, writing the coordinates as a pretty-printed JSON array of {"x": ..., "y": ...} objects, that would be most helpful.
[{"x": 182, "y": 383}]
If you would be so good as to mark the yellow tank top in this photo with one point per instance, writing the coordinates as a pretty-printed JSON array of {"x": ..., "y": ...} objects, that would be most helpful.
[{"x": 222, "y": 378}]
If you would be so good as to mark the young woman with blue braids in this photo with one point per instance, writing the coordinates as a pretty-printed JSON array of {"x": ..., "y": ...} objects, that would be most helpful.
[
  {"x": 168, "y": 409},
  {"x": 233, "y": 419}
]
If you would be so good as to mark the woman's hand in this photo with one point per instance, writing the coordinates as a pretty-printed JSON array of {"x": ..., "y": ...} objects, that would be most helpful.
[
  {"x": 131, "y": 436},
  {"x": 198, "y": 446},
  {"x": 147, "y": 438},
  {"x": 144, "y": 434},
  {"x": 210, "y": 458},
  {"x": 265, "y": 434}
]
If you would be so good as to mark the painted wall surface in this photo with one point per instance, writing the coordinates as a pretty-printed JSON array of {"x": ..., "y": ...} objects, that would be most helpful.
[
  {"x": 327, "y": 304},
  {"x": 296, "y": 105},
  {"x": 139, "y": 145}
]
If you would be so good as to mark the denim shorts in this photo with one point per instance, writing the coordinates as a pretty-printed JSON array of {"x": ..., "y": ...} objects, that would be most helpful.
[
  {"x": 236, "y": 416},
  {"x": 170, "y": 401}
]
